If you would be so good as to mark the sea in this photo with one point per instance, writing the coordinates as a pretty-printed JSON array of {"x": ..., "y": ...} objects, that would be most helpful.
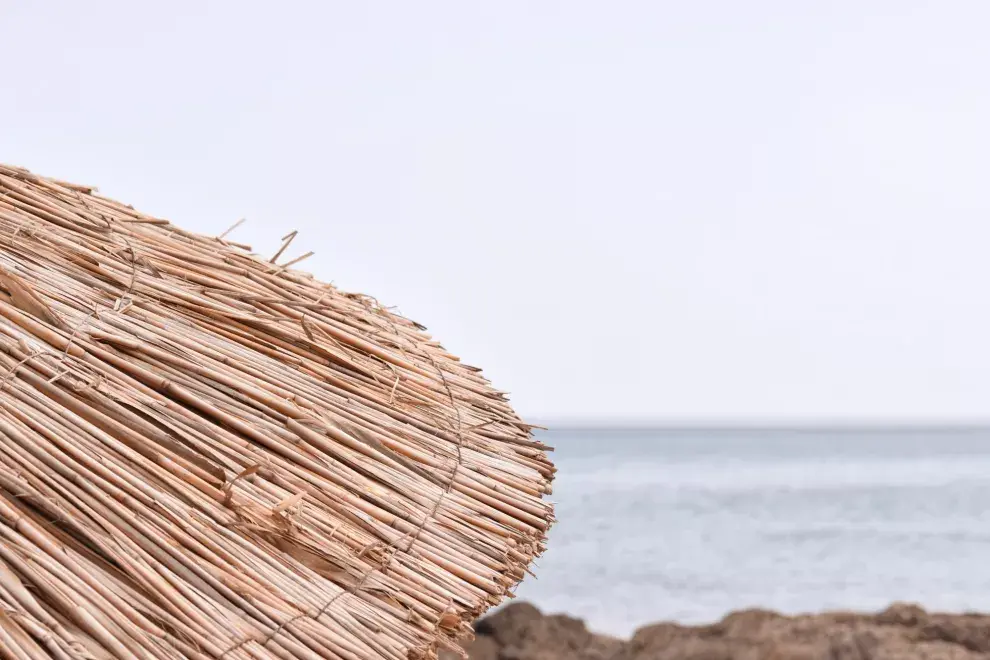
[{"x": 689, "y": 524}]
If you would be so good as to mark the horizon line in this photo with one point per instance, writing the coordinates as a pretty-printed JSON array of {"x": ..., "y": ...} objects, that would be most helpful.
[{"x": 760, "y": 424}]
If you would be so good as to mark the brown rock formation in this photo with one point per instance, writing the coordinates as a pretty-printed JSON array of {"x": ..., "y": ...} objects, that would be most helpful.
[{"x": 901, "y": 632}]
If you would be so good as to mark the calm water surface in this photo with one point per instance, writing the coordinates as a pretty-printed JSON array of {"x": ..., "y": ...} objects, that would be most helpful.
[{"x": 687, "y": 525}]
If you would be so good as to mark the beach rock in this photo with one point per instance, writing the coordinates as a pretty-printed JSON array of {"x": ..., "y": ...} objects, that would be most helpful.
[
  {"x": 481, "y": 647},
  {"x": 522, "y": 632},
  {"x": 901, "y": 632}
]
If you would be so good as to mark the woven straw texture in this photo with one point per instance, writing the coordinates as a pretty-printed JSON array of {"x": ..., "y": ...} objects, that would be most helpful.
[{"x": 206, "y": 454}]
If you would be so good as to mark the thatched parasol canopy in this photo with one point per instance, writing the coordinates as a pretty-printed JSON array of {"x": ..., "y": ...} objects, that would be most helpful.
[{"x": 205, "y": 454}]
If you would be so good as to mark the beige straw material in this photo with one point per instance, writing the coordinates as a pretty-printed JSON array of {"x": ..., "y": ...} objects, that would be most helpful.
[{"x": 206, "y": 454}]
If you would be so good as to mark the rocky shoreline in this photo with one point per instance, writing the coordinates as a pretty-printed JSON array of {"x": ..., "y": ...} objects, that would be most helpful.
[{"x": 520, "y": 631}]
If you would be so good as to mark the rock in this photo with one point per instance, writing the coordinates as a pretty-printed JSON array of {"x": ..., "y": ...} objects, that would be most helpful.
[
  {"x": 481, "y": 648},
  {"x": 901, "y": 632},
  {"x": 968, "y": 631},
  {"x": 902, "y": 614},
  {"x": 522, "y": 632},
  {"x": 509, "y": 623}
]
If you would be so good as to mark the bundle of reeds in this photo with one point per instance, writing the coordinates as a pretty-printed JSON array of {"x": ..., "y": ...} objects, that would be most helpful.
[{"x": 205, "y": 454}]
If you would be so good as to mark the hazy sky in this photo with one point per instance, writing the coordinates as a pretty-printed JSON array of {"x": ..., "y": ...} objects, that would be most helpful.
[{"x": 654, "y": 210}]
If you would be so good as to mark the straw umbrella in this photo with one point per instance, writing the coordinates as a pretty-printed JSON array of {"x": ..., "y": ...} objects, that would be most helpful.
[{"x": 208, "y": 454}]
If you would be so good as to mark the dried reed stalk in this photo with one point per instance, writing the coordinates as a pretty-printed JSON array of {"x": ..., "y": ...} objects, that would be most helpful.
[{"x": 204, "y": 454}]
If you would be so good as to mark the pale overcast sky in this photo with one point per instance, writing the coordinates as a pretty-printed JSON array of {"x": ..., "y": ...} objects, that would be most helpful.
[{"x": 653, "y": 210}]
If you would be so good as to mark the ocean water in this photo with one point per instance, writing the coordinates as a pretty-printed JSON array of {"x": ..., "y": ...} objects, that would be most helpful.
[{"x": 688, "y": 525}]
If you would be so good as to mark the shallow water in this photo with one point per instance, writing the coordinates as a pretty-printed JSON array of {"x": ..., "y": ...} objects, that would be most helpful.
[{"x": 688, "y": 525}]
